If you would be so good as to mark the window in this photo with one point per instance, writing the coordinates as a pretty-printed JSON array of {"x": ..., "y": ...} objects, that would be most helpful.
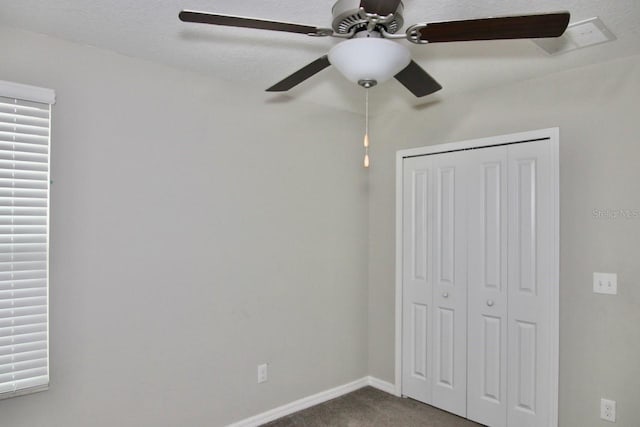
[{"x": 25, "y": 122}]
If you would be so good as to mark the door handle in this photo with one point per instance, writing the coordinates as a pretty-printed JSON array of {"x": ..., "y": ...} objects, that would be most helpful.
[
  {"x": 445, "y": 295},
  {"x": 490, "y": 303}
]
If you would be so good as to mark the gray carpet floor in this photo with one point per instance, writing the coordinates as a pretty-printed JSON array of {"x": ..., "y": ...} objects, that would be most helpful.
[{"x": 369, "y": 407}]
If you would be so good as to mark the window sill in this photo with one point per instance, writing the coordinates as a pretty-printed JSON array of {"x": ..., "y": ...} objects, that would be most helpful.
[{"x": 24, "y": 392}]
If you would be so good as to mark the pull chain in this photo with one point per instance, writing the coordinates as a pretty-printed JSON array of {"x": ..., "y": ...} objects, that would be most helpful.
[{"x": 366, "y": 129}]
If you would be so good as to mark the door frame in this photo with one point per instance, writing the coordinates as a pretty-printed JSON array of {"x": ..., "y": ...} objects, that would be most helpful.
[{"x": 553, "y": 136}]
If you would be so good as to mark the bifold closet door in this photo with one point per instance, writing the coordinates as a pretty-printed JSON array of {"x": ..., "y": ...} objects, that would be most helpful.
[
  {"x": 434, "y": 282},
  {"x": 449, "y": 195},
  {"x": 417, "y": 292},
  {"x": 488, "y": 289},
  {"x": 530, "y": 278},
  {"x": 510, "y": 261},
  {"x": 479, "y": 284},
  {"x": 510, "y": 229}
]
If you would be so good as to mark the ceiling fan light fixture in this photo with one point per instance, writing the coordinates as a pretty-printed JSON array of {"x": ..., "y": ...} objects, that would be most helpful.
[{"x": 369, "y": 59}]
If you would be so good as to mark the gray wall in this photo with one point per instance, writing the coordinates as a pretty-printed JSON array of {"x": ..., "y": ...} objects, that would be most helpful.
[
  {"x": 598, "y": 111},
  {"x": 197, "y": 230}
]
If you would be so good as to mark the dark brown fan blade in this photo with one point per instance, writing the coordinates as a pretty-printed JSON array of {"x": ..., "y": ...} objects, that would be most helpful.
[
  {"x": 260, "y": 24},
  {"x": 381, "y": 7},
  {"x": 416, "y": 79},
  {"x": 509, "y": 27},
  {"x": 301, "y": 75}
]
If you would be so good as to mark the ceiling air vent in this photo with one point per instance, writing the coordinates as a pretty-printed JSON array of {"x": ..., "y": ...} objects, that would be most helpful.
[{"x": 581, "y": 34}]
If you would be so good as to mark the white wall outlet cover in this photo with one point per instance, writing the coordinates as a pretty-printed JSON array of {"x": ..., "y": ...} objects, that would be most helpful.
[
  {"x": 262, "y": 373},
  {"x": 608, "y": 410},
  {"x": 605, "y": 283}
]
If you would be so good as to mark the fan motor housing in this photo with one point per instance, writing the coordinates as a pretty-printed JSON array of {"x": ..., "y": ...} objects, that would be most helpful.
[{"x": 347, "y": 17}]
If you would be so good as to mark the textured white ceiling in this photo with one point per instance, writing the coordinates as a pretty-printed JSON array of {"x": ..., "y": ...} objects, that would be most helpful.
[{"x": 150, "y": 29}]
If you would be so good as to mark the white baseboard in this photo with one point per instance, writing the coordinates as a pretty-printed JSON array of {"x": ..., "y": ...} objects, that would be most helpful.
[
  {"x": 312, "y": 400},
  {"x": 382, "y": 385}
]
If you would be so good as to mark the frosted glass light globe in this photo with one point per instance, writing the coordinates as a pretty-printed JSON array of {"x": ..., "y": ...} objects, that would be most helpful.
[{"x": 369, "y": 59}]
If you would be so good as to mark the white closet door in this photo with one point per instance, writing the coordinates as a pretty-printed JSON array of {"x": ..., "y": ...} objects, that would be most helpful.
[
  {"x": 531, "y": 231},
  {"x": 417, "y": 279},
  {"x": 449, "y": 387},
  {"x": 487, "y": 264},
  {"x": 479, "y": 283}
]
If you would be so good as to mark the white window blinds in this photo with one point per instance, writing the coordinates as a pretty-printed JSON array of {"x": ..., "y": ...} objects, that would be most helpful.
[{"x": 24, "y": 243}]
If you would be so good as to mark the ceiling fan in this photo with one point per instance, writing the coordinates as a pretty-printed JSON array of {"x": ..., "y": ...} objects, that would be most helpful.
[{"x": 369, "y": 56}]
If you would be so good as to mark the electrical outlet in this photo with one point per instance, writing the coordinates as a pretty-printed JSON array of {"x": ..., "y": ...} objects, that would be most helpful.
[
  {"x": 605, "y": 283},
  {"x": 608, "y": 410},
  {"x": 262, "y": 373}
]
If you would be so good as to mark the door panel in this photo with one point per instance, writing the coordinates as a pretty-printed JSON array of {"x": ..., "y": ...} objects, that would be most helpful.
[
  {"x": 446, "y": 224},
  {"x": 525, "y": 394},
  {"x": 419, "y": 327},
  {"x": 445, "y": 337},
  {"x": 530, "y": 280},
  {"x": 524, "y": 215},
  {"x": 417, "y": 287},
  {"x": 419, "y": 223},
  {"x": 450, "y": 284},
  {"x": 492, "y": 343},
  {"x": 487, "y": 263}
]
